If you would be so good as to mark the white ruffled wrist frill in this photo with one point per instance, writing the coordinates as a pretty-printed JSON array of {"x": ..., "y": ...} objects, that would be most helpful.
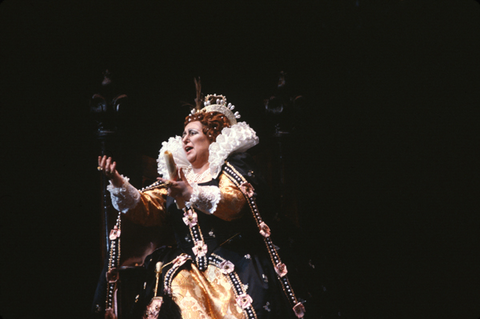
[
  {"x": 125, "y": 197},
  {"x": 205, "y": 198}
]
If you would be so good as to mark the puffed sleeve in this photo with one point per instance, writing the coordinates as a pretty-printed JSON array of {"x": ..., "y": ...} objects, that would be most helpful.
[
  {"x": 232, "y": 201},
  {"x": 225, "y": 201},
  {"x": 145, "y": 208}
]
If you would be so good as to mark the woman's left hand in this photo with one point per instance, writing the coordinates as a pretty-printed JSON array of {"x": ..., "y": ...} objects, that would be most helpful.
[{"x": 180, "y": 189}]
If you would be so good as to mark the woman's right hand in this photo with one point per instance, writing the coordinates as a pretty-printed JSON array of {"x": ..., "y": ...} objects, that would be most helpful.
[{"x": 108, "y": 167}]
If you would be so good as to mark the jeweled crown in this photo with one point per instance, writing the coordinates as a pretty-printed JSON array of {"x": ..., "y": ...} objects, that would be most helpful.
[{"x": 218, "y": 103}]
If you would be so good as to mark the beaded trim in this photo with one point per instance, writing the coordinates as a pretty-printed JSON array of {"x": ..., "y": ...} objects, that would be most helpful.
[
  {"x": 172, "y": 272},
  {"x": 190, "y": 219},
  {"x": 152, "y": 186},
  {"x": 280, "y": 268},
  {"x": 199, "y": 246},
  {"x": 113, "y": 262},
  {"x": 236, "y": 283}
]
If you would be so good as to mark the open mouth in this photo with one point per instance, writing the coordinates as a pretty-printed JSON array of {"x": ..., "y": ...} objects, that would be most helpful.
[{"x": 188, "y": 149}]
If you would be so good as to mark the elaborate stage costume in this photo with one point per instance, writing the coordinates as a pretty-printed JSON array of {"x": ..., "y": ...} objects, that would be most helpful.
[{"x": 224, "y": 264}]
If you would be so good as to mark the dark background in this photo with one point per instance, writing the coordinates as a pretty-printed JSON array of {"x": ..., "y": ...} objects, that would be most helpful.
[{"x": 386, "y": 154}]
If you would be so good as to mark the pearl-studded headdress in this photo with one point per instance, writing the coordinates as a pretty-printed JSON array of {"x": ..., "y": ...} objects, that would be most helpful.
[{"x": 218, "y": 103}]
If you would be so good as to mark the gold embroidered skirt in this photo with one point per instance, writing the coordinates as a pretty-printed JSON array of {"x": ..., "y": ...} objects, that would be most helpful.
[{"x": 205, "y": 295}]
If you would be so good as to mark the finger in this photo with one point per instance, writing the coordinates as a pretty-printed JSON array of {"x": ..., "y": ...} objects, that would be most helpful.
[
  {"x": 182, "y": 175},
  {"x": 107, "y": 165},
  {"x": 102, "y": 162},
  {"x": 113, "y": 167},
  {"x": 99, "y": 168}
]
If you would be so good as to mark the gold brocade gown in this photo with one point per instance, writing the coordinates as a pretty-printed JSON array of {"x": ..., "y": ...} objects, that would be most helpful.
[{"x": 224, "y": 264}]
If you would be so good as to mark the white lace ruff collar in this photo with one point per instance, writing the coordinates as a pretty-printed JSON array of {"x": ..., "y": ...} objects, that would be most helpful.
[{"x": 237, "y": 138}]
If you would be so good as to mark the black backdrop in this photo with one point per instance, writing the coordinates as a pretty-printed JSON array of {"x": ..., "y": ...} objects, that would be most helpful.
[{"x": 386, "y": 155}]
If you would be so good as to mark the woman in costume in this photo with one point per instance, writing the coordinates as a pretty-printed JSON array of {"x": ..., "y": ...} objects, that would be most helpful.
[{"x": 224, "y": 264}]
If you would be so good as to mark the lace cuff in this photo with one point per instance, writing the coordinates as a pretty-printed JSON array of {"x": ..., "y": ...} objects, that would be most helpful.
[
  {"x": 205, "y": 198},
  {"x": 124, "y": 197}
]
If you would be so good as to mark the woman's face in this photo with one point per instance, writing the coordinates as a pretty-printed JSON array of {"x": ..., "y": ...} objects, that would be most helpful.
[{"x": 195, "y": 144}]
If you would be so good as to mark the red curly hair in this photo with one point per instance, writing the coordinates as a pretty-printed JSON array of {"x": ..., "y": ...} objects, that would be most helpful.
[{"x": 213, "y": 123}]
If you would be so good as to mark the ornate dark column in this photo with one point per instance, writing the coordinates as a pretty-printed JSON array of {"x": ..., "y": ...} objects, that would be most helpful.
[
  {"x": 105, "y": 109},
  {"x": 290, "y": 152},
  {"x": 282, "y": 112}
]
